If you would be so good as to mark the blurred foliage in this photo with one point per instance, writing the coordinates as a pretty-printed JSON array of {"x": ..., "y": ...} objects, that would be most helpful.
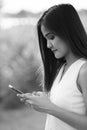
[
  {"x": 20, "y": 63},
  {"x": 83, "y": 16}
]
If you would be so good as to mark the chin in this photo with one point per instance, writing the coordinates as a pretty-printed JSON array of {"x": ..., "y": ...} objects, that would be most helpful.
[{"x": 58, "y": 56}]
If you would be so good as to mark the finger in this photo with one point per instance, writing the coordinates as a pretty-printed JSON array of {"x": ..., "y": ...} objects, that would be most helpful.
[
  {"x": 21, "y": 99},
  {"x": 28, "y": 94},
  {"x": 34, "y": 93},
  {"x": 20, "y": 95},
  {"x": 25, "y": 96},
  {"x": 39, "y": 93},
  {"x": 29, "y": 102}
]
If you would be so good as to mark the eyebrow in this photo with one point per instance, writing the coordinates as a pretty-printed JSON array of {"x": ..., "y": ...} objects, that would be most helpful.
[{"x": 49, "y": 34}]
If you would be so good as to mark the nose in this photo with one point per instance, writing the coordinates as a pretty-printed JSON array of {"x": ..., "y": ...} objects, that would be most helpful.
[{"x": 49, "y": 44}]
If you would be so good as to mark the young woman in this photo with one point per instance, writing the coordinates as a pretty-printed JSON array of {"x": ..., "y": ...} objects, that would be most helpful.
[{"x": 63, "y": 47}]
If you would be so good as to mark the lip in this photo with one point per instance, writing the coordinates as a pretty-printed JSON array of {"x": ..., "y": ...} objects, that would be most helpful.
[{"x": 54, "y": 50}]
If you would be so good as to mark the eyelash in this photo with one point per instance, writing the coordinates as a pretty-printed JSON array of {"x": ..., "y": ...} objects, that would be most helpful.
[{"x": 51, "y": 38}]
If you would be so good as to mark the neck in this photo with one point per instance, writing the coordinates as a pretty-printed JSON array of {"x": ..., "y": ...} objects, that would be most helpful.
[{"x": 70, "y": 59}]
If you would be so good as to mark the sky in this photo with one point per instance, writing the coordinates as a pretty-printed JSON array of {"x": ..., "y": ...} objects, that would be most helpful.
[{"x": 35, "y": 6}]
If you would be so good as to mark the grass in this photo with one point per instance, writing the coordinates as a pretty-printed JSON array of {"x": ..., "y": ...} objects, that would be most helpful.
[{"x": 21, "y": 119}]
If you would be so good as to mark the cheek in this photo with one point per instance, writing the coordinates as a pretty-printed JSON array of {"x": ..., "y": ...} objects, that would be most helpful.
[
  {"x": 62, "y": 50},
  {"x": 61, "y": 47}
]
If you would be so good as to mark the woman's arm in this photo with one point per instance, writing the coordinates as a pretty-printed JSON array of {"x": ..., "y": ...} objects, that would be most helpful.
[
  {"x": 42, "y": 103},
  {"x": 76, "y": 120}
]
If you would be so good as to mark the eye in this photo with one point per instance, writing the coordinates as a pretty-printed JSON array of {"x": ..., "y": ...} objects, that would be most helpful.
[{"x": 51, "y": 37}]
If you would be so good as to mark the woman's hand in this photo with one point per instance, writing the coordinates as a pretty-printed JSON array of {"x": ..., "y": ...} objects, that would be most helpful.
[{"x": 38, "y": 100}]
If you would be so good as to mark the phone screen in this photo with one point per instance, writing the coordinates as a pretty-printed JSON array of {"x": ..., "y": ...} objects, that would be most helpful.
[{"x": 15, "y": 90}]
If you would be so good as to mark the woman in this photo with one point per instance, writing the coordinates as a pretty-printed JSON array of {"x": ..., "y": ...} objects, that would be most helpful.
[{"x": 63, "y": 47}]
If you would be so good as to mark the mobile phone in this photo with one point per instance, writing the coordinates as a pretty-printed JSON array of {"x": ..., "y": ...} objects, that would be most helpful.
[{"x": 15, "y": 90}]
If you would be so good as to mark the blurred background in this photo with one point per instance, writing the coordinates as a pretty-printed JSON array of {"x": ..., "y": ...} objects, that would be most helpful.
[{"x": 20, "y": 60}]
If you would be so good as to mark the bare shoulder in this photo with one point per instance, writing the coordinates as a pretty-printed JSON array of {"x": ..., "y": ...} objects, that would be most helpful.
[
  {"x": 83, "y": 71},
  {"x": 82, "y": 78}
]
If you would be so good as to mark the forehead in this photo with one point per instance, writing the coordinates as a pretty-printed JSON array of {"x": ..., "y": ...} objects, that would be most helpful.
[{"x": 44, "y": 30}]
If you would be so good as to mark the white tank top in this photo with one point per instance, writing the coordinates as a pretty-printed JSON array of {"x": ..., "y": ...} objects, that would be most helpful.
[{"x": 65, "y": 94}]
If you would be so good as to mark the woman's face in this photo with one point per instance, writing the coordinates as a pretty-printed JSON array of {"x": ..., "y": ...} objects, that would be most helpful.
[{"x": 57, "y": 45}]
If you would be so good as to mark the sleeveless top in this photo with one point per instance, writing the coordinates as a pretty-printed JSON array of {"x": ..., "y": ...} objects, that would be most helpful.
[{"x": 65, "y": 94}]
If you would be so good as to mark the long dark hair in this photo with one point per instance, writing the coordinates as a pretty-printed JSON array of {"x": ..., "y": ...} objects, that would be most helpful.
[{"x": 64, "y": 20}]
